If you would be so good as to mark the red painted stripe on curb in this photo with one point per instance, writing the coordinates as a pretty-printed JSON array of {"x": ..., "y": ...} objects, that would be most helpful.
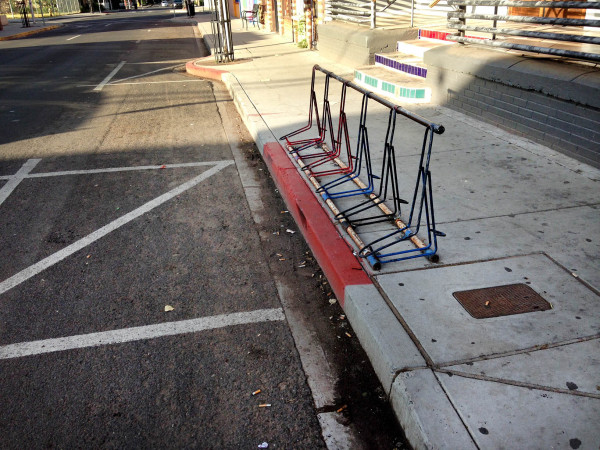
[
  {"x": 332, "y": 252},
  {"x": 197, "y": 68}
]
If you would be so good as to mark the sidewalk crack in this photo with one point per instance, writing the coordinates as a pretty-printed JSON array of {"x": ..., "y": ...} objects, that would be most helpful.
[{"x": 517, "y": 383}]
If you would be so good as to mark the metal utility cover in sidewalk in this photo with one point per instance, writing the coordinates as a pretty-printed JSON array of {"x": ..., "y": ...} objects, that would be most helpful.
[
  {"x": 501, "y": 301},
  {"x": 449, "y": 334}
]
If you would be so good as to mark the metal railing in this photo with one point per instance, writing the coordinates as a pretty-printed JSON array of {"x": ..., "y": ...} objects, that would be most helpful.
[
  {"x": 385, "y": 13},
  {"x": 458, "y": 20}
]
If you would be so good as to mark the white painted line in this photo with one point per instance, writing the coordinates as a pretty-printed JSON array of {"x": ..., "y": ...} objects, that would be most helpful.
[
  {"x": 109, "y": 77},
  {"x": 120, "y": 169},
  {"x": 138, "y": 41},
  {"x": 45, "y": 263},
  {"x": 154, "y": 82},
  {"x": 171, "y": 61},
  {"x": 118, "y": 83},
  {"x": 139, "y": 333},
  {"x": 14, "y": 180},
  {"x": 147, "y": 73},
  {"x": 74, "y": 37}
]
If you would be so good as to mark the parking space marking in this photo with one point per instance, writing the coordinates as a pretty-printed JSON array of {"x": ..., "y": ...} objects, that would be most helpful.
[
  {"x": 112, "y": 170},
  {"x": 155, "y": 82},
  {"x": 49, "y": 261},
  {"x": 145, "y": 74},
  {"x": 139, "y": 333},
  {"x": 14, "y": 180},
  {"x": 109, "y": 76}
]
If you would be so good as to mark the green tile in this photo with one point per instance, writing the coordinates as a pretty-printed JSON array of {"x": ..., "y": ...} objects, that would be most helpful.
[
  {"x": 388, "y": 87},
  {"x": 371, "y": 81}
]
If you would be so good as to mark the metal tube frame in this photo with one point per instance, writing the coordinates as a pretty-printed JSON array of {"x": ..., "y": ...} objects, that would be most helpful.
[{"x": 421, "y": 212}]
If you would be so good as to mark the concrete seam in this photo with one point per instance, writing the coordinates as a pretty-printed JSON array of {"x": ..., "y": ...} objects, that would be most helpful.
[
  {"x": 517, "y": 383},
  {"x": 463, "y": 263},
  {"x": 399, "y": 372},
  {"x": 501, "y": 216},
  {"x": 585, "y": 283},
  {"x": 584, "y": 73},
  {"x": 467, "y": 428},
  {"x": 533, "y": 349},
  {"x": 404, "y": 325}
]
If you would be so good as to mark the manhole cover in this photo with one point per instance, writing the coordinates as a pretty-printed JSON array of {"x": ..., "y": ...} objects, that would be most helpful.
[{"x": 501, "y": 301}]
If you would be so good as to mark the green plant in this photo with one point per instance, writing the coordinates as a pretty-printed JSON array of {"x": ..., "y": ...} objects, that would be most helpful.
[{"x": 300, "y": 27}]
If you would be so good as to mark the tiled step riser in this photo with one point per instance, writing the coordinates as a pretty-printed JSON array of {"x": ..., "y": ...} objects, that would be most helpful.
[
  {"x": 436, "y": 35},
  {"x": 433, "y": 35},
  {"x": 417, "y": 95},
  {"x": 410, "y": 69}
]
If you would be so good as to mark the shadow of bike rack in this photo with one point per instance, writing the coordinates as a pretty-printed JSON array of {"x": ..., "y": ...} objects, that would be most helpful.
[{"x": 318, "y": 148}]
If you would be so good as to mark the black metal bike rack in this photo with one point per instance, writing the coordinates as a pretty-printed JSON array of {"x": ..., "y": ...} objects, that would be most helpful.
[{"x": 370, "y": 199}]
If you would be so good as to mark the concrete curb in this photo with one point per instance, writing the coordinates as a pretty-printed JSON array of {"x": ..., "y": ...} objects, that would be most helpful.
[
  {"x": 201, "y": 68},
  {"x": 395, "y": 357},
  {"x": 29, "y": 33},
  {"x": 335, "y": 257}
]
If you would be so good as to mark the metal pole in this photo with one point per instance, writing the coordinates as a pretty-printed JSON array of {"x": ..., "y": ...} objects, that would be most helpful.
[
  {"x": 42, "y": 11},
  {"x": 412, "y": 13},
  {"x": 31, "y": 10},
  {"x": 373, "y": 12},
  {"x": 495, "y": 22},
  {"x": 225, "y": 22},
  {"x": 462, "y": 20}
]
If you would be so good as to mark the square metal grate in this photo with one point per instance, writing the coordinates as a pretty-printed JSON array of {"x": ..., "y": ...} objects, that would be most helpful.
[{"x": 501, "y": 301}]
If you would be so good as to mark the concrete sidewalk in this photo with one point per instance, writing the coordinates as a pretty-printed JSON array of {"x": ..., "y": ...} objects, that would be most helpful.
[
  {"x": 14, "y": 30},
  {"x": 514, "y": 213}
]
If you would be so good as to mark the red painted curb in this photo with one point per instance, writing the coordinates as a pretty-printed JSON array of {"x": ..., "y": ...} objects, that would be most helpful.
[
  {"x": 205, "y": 71},
  {"x": 332, "y": 252}
]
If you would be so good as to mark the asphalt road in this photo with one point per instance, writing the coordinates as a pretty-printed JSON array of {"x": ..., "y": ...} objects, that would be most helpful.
[{"x": 145, "y": 257}]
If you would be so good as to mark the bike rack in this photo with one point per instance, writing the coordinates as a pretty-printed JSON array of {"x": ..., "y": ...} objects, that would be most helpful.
[
  {"x": 382, "y": 183},
  {"x": 221, "y": 31}
]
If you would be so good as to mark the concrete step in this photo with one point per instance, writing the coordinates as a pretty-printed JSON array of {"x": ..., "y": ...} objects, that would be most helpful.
[
  {"x": 398, "y": 86},
  {"x": 418, "y": 47},
  {"x": 401, "y": 62}
]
